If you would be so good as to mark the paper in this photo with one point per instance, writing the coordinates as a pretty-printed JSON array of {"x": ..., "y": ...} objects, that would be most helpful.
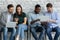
[
  {"x": 44, "y": 18},
  {"x": 11, "y": 24}
]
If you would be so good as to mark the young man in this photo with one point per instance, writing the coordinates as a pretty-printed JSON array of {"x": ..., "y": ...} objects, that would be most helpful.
[
  {"x": 52, "y": 22},
  {"x": 7, "y": 17},
  {"x": 35, "y": 23}
]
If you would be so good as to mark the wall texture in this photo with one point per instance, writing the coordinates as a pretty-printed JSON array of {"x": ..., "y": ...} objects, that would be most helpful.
[{"x": 28, "y": 5}]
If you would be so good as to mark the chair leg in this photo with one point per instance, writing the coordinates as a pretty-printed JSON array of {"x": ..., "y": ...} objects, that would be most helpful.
[
  {"x": 0, "y": 36},
  {"x": 27, "y": 35}
]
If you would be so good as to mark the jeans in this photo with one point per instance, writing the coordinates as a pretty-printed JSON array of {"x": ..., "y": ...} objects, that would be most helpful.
[
  {"x": 5, "y": 33},
  {"x": 34, "y": 33},
  {"x": 49, "y": 30},
  {"x": 20, "y": 30}
]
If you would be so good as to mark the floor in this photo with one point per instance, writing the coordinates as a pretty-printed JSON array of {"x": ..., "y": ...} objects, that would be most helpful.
[{"x": 30, "y": 37}]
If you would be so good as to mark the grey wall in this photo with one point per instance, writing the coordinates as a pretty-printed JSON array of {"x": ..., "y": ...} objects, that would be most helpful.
[{"x": 28, "y": 5}]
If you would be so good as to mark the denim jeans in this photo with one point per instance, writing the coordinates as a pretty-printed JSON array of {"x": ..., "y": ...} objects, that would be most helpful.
[
  {"x": 20, "y": 30},
  {"x": 5, "y": 33},
  {"x": 34, "y": 33},
  {"x": 49, "y": 30}
]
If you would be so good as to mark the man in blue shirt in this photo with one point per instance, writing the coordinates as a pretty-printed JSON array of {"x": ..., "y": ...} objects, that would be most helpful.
[
  {"x": 35, "y": 23},
  {"x": 52, "y": 22}
]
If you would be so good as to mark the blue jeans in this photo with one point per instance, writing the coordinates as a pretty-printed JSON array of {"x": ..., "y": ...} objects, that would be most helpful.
[
  {"x": 5, "y": 33},
  {"x": 34, "y": 33},
  {"x": 20, "y": 30},
  {"x": 49, "y": 30}
]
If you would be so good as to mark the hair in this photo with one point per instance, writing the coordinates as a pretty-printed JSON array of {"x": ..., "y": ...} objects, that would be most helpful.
[
  {"x": 9, "y": 6},
  {"x": 49, "y": 5},
  {"x": 37, "y": 6},
  {"x": 17, "y": 7}
]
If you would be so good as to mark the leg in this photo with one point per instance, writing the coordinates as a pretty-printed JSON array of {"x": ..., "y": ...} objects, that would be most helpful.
[
  {"x": 57, "y": 33},
  {"x": 18, "y": 32},
  {"x": 23, "y": 28},
  {"x": 5, "y": 33},
  {"x": 49, "y": 33},
  {"x": 42, "y": 33},
  {"x": 12, "y": 34},
  {"x": 33, "y": 31}
]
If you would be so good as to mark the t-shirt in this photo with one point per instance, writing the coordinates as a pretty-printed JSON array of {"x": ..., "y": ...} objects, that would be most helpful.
[{"x": 21, "y": 17}]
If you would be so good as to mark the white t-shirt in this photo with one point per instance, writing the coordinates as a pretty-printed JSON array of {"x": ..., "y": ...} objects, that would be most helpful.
[{"x": 8, "y": 17}]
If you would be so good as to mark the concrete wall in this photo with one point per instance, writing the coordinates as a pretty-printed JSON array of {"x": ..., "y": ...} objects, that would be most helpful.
[{"x": 28, "y": 5}]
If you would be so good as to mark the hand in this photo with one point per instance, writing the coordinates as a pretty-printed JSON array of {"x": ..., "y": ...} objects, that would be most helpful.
[
  {"x": 24, "y": 23},
  {"x": 16, "y": 22},
  {"x": 38, "y": 20},
  {"x": 34, "y": 21},
  {"x": 51, "y": 20},
  {"x": 43, "y": 23},
  {"x": 16, "y": 19}
]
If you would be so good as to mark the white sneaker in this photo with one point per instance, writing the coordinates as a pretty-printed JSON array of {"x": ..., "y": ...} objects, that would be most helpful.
[{"x": 17, "y": 38}]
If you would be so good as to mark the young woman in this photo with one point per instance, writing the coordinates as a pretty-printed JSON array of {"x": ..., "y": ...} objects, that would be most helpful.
[{"x": 21, "y": 19}]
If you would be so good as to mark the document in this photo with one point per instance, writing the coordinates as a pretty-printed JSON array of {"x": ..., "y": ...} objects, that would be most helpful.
[{"x": 44, "y": 18}]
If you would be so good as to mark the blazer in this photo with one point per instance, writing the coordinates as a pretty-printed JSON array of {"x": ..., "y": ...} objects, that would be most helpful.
[{"x": 3, "y": 18}]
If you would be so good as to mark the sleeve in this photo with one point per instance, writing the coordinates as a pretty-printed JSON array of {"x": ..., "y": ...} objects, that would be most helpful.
[
  {"x": 2, "y": 21},
  {"x": 24, "y": 14},
  {"x": 57, "y": 18},
  {"x": 14, "y": 16},
  {"x": 29, "y": 19}
]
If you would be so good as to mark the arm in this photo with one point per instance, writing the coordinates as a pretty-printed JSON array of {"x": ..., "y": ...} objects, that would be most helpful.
[
  {"x": 15, "y": 18},
  {"x": 51, "y": 20},
  {"x": 56, "y": 20},
  {"x": 25, "y": 20},
  {"x": 2, "y": 21},
  {"x": 34, "y": 21},
  {"x": 30, "y": 20}
]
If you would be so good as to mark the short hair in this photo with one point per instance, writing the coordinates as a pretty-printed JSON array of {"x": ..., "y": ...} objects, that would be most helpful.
[
  {"x": 37, "y": 6},
  {"x": 9, "y": 6},
  {"x": 49, "y": 5}
]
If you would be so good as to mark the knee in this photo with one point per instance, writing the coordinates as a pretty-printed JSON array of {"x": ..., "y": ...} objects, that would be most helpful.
[
  {"x": 14, "y": 30},
  {"x": 22, "y": 29},
  {"x": 32, "y": 29},
  {"x": 5, "y": 29},
  {"x": 58, "y": 31},
  {"x": 48, "y": 31},
  {"x": 43, "y": 31}
]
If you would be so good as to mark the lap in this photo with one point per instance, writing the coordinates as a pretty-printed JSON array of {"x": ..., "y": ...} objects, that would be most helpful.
[
  {"x": 38, "y": 29},
  {"x": 22, "y": 26},
  {"x": 57, "y": 29},
  {"x": 9, "y": 29},
  {"x": 53, "y": 29}
]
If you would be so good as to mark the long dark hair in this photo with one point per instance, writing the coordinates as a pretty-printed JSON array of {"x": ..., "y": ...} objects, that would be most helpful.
[{"x": 17, "y": 7}]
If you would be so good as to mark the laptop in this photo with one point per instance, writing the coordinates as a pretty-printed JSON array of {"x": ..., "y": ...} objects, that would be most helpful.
[
  {"x": 44, "y": 18},
  {"x": 11, "y": 24}
]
